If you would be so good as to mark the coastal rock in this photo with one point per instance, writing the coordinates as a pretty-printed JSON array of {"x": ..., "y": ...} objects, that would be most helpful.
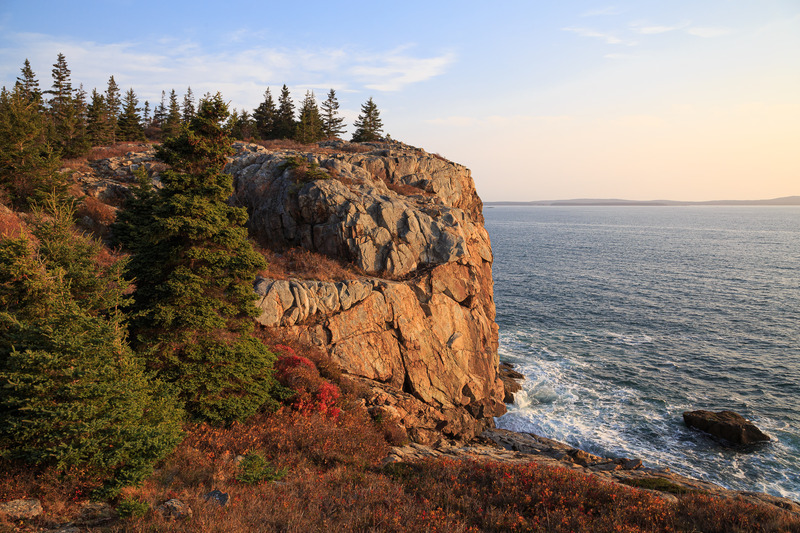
[
  {"x": 21, "y": 509},
  {"x": 727, "y": 425},
  {"x": 510, "y": 379},
  {"x": 175, "y": 509},
  {"x": 421, "y": 318}
]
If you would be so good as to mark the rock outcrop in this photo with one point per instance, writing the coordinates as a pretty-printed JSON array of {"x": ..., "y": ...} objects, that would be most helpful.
[
  {"x": 727, "y": 425},
  {"x": 420, "y": 321}
]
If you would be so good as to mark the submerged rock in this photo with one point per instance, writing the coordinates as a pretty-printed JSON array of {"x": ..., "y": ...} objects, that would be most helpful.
[{"x": 727, "y": 425}]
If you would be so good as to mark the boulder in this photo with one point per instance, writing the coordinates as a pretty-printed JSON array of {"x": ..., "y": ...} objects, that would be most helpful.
[
  {"x": 727, "y": 425},
  {"x": 174, "y": 509},
  {"x": 22, "y": 509}
]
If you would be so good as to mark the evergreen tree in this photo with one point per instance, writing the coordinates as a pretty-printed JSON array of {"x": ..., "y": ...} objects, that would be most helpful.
[
  {"x": 129, "y": 125},
  {"x": 172, "y": 122},
  {"x": 146, "y": 114},
  {"x": 309, "y": 125},
  {"x": 114, "y": 104},
  {"x": 332, "y": 123},
  {"x": 66, "y": 113},
  {"x": 188, "y": 106},
  {"x": 284, "y": 122},
  {"x": 28, "y": 163},
  {"x": 160, "y": 112},
  {"x": 368, "y": 125},
  {"x": 71, "y": 392},
  {"x": 28, "y": 83},
  {"x": 98, "y": 121},
  {"x": 194, "y": 270},
  {"x": 265, "y": 117}
]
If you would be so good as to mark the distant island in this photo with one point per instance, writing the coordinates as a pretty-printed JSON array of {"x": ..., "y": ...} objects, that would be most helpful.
[{"x": 785, "y": 200}]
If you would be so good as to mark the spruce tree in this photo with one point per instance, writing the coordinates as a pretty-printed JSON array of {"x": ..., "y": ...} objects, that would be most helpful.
[
  {"x": 67, "y": 113},
  {"x": 265, "y": 117},
  {"x": 309, "y": 125},
  {"x": 284, "y": 122},
  {"x": 160, "y": 112},
  {"x": 28, "y": 162},
  {"x": 332, "y": 123},
  {"x": 129, "y": 125},
  {"x": 368, "y": 125},
  {"x": 188, "y": 106},
  {"x": 28, "y": 83},
  {"x": 114, "y": 104},
  {"x": 194, "y": 269},
  {"x": 98, "y": 121},
  {"x": 72, "y": 394},
  {"x": 172, "y": 121}
]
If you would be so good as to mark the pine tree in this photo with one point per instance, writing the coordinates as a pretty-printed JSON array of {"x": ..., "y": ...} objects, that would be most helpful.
[
  {"x": 188, "y": 106},
  {"x": 160, "y": 112},
  {"x": 172, "y": 122},
  {"x": 194, "y": 270},
  {"x": 72, "y": 394},
  {"x": 114, "y": 104},
  {"x": 146, "y": 114},
  {"x": 28, "y": 162},
  {"x": 66, "y": 113},
  {"x": 265, "y": 117},
  {"x": 98, "y": 121},
  {"x": 28, "y": 83},
  {"x": 309, "y": 126},
  {"x": 284, "y": 122},
  {"x": 332, "y": 123},
  {"x": 129, "y": 125},
  {"x": 368, "y": 125}
]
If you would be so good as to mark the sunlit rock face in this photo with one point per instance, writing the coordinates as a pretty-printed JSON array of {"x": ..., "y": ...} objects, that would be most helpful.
[{"x": 420, "y": 320}]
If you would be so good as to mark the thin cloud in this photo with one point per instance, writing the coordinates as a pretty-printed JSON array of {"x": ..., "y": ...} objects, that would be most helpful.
[
  {"x": 708, "y": 32},
  {"x": 609, "y": 38},
  {"x": 242, "y": 75},
  {"x": 610, "y": 10},
  {"x": 654, "y": 29}
]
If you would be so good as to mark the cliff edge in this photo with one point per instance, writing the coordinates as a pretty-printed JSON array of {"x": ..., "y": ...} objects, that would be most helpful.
[{"x": 417, "y": 325}]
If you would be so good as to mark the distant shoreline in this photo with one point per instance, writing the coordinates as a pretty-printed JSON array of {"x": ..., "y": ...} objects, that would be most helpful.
[{"x": 783, "y": 201}]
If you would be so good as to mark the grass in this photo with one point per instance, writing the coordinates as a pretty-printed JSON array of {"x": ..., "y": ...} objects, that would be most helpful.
[{"x": 304, "y": 264}]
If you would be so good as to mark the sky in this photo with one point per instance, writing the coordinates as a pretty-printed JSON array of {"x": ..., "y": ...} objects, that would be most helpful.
[{"x": 543, "y": 100}]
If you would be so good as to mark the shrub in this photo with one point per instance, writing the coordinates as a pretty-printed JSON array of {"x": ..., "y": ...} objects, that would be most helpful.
[
  {"x": 132, "y": 508},
  {"x": 255, "y": 469}
]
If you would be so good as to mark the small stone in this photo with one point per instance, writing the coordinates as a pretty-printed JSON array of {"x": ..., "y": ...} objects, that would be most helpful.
[
  {"x": 175, "y": 509},
  {"x": 94, "y": 513},
  {"x": 21, "y": 509},
  {"x": 632, "y": 464},
  {"x": 218, "y": 496}
]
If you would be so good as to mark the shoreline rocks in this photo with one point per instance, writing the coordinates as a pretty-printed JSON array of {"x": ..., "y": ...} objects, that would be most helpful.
[{"x": 727, "y": 425}]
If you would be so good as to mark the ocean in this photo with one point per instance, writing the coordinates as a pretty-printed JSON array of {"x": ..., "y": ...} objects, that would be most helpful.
[{"x": 621, "y": 318}]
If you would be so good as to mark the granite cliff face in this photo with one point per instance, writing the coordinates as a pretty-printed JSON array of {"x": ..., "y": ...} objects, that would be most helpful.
[{"x": 418, "y": 326}]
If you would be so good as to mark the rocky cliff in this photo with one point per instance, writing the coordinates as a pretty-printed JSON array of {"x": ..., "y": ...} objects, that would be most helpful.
[{"x": 418, "y": 324}]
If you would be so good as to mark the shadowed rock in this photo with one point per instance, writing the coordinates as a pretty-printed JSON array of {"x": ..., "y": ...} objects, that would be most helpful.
[{"x": 726, "y": 425}]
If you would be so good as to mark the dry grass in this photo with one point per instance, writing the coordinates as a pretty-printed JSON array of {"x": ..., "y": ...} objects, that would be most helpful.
[
  {"x": 303, "y": 264},
  {"x": 314, "y": 148},
  {"x": 95, "y": 215},
  {"x": 405, "y": 189},
  {"x": 10, "y": 223},
  {"x": 116, "y": 150}
]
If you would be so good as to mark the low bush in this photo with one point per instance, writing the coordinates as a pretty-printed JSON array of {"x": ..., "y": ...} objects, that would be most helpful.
[{"x": 255, "y": 469}]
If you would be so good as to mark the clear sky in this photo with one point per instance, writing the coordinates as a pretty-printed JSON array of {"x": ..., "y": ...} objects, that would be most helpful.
[{"x": 543, "y": 100}]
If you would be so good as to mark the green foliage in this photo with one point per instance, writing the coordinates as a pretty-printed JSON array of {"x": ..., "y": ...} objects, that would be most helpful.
[
  {"x": 285, "y": 125},
  {"x": 99, "y": 122},
  {"x": 194, "y": 268},
  {"x": 129, "y": 125},
  {"x": 309, "y": 126},
  {"x": 28, "y": 162},
  {"x": 114, "y": 103},
  {"x": 72, "y": 394},
  {"x": 332, "y": 123},
  {"x": 265, "y": 116},
  {"x": 255, "y": 469},
  {"x": 188, "y": 109},
  {"x": 656, "y": 483},
  {"x": 132, "y": 508},
  {"x": 172, "y": 121},
  {"x": 368, "y": 125},
  {"x": 67, "y": 113}
]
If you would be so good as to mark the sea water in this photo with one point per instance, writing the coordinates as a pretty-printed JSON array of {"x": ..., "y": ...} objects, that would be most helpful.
[{"x": 621, "y": 318}]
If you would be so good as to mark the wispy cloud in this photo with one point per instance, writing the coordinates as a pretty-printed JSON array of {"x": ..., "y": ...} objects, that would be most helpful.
[
  {"x": 609, "y": 10},
  {"x": 609, "y": 38},
  {"x": 708, "y": 31},
  {"x": 241, "y": 74},
  {"x": 654, "y": 29}
]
